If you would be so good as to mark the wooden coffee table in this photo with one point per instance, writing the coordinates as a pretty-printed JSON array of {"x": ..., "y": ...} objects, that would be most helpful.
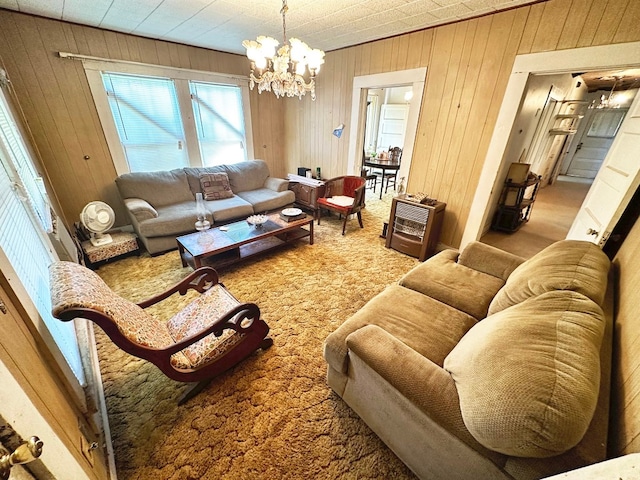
[{"x": 228, "y": 244}]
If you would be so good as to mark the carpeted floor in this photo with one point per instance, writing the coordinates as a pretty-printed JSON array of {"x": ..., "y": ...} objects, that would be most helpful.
[{"x": 273, "y": 416}]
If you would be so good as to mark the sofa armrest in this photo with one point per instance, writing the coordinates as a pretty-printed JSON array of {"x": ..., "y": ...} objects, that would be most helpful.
[
  {"x": 425, "y": 384},
  {"x": 276, "y": 184},
  {"x": 490, "y": 260},
  {"x": 140, "y": 209}
]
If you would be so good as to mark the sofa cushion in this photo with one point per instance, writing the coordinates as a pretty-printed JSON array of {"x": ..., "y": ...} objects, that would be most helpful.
[
  {"x": 172, "y": 220},
  {"x": 429, "y": 327},
  {"x": 528, "y": 377},
  {"x": 565, "y": 265},
  {"x": 464, "y": 288},
  {"x": 157, "y": 188},
  {"x": 246, "y": 176},
  {"x": 215, "y": 186},
  {"x": 264, "y": 199},
  {"x": 225, "y": 209}
]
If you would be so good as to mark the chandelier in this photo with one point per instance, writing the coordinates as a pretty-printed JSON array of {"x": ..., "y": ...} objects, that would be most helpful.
[
  {"x": 607, "y": 101},
  {"x": 283, "y": 72}
]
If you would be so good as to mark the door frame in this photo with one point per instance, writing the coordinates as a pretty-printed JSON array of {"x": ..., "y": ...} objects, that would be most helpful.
[
  {"x": 416, "y": 78},
  {"x": 621, "y": 55}
]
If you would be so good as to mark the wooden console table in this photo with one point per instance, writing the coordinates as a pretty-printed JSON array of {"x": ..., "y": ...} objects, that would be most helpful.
[{"x": 307, "y": 195}]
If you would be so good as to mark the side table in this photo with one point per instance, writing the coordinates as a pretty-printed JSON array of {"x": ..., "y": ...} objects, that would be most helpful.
[{"x": 124, "y": 243}]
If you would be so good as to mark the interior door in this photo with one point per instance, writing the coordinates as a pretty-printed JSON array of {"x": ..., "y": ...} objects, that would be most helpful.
[
  {"x": 614, "y": 184},
  {"x": 393, "y": 124},
  {"x": 595, "y": 143}
]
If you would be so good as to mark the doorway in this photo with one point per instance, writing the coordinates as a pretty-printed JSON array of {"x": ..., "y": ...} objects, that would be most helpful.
[
  {"x": 560, "y": 62},
  {"x": 415, "y": 79}
]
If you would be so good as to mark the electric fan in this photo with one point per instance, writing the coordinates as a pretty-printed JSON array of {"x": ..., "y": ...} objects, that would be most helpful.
[{"x": 98, "y": 217}]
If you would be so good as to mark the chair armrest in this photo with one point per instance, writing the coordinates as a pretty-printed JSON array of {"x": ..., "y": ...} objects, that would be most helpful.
[
  {"x": 200, "y": 280},
  {"x": 490, "y": 260},
  {"x": 232, "y": 319},
  {"x": 276, "y": 184},
  {"x": 140, "y": 209}
]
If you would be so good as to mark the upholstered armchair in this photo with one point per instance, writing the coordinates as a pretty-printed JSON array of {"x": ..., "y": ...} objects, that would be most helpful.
[
  {"x": 210, "y": 335},
  {"x": 344, "y": 195}
]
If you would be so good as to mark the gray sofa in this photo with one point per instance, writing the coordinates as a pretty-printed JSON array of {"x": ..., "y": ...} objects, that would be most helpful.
[
  {"x": 162, "y": 205},
  {"x": 480, "y": 365}
]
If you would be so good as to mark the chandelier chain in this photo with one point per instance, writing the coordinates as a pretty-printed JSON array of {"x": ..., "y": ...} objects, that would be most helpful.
[{"x": 283, "y": 11}]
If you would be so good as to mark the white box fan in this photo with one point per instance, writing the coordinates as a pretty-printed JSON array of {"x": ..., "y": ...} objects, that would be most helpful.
[{"x": 98, "y": 217}]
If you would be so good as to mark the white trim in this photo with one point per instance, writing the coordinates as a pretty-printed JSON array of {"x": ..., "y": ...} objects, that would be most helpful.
[
  {"x": 99, "y": 63},
  {"x": 94, "y": 67},
  {"x": 415, "y": 77},
  {"x": 621, "y": 55},
  {"x": 26, "y": 420}
]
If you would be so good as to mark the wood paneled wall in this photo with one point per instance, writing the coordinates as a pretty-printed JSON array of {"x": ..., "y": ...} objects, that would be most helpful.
[
  {"x": 468, "y": 67},
  {"x": 60, "y": 113},
  {"x": 625, "y": 402}
]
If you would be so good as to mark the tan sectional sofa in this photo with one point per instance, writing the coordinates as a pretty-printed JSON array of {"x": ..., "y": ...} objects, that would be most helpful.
[
  {"x": 161, "y": 205},
  {"x": 482, "y": 365}
]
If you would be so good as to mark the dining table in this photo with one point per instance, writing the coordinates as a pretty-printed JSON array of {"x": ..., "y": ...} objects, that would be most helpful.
[{"x": 382, "y": 164}]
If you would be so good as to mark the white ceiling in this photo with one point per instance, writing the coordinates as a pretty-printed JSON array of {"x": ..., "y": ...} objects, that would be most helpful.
[{"x": 224, "y": 24}]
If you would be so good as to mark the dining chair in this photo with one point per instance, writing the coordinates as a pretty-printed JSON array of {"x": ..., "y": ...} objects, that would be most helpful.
[{"x": 395, "y": 154}]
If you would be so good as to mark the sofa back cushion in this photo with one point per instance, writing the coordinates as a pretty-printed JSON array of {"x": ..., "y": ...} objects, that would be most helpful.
[
  {"x": 565, "y": 265},
  {"x": 245, "y": 176},
  {"x": 157, "y": 188},
  {"x": 528, "y": 377}
]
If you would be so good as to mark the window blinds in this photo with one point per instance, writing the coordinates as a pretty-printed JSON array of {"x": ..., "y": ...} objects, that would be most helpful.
[
  {"x": 147, "y": 117},
  {"x": 219, "y": 123},
  {"x": 22, "y": 241}
]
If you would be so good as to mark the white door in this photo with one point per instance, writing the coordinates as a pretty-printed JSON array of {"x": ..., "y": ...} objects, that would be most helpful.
[
  {"x": 614, "y": 185},
  {"x": 595, "y": 143},
  {"x": 393, "y": 124}
]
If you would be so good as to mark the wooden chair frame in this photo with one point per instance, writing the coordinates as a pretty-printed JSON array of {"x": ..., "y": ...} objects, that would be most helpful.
[
  {"x": 244, "y": 318},
  {"x": 335, "y": 186}
]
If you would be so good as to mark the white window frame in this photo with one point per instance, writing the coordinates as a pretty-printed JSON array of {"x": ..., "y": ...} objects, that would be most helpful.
[
  {"x": 16, "y": 284},
  {"x": 95, "y": 67}
]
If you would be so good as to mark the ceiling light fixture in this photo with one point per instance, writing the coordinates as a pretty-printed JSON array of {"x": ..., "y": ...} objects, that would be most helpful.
[
  {"x": 282, "y": 72},
  {"x": 607, "y": 101}
]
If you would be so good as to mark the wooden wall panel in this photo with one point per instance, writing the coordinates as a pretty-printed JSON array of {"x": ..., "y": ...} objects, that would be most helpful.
[
  {"x": 60, "y": 113},
  {"x": 625, "y": 404},
  {"x": 28, "y": 360},
  {"x": 468, "y": 67}
]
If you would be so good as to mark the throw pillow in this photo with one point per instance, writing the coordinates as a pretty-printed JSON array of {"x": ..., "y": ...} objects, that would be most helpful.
[
  {"x": 215, "y": 186},
  {"x": 528, "y": 377}
]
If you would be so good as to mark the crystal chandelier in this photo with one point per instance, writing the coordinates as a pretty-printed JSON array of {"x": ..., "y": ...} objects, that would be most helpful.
[
  {"x": 282, "y": 72},
  {"x": 607, "y": 101}
]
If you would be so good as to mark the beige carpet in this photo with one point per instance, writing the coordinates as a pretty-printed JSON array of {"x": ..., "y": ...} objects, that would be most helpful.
[{"x": 273, "y": 416}]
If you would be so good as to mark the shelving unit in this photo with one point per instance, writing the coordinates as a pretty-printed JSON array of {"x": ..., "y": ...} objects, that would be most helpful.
[
  {"x": 415, "y": 227},
  {"x": 516, "y": 202},
  {"x": 566, "y": 122}
]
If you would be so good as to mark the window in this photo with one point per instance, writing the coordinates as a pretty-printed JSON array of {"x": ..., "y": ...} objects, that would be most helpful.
[
  {"x": 23, "y": 243},
  {"x": 147, "y": 116},
  {"x": 219, "y": 122},
  {"x": 158, "y": 118}
]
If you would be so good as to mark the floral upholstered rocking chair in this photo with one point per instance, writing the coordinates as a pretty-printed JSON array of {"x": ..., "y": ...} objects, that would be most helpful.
[{"x": 210, "y": 335}]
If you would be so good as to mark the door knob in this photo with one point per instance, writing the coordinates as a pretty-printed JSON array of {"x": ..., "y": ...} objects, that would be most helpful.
[
  {"x": 25, "y": 453},
  {"x": 591, "y": 231}
]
